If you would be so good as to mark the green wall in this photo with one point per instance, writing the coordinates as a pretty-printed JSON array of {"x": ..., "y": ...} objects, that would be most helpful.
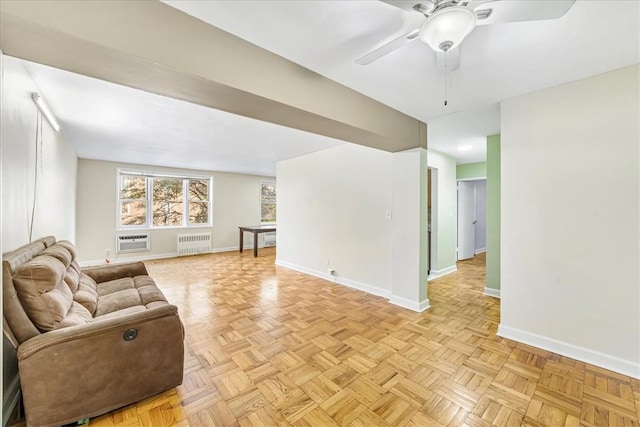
[
  {"x": 493, "y": 212},
  {"x": 446, "y": 217},
  {"x": 471, "y": 170}
]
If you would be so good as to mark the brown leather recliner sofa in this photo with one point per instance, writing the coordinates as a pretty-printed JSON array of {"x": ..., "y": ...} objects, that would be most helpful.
[{"x": 88, "y": 340}]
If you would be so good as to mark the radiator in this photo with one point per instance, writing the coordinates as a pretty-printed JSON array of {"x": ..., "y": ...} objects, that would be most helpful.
[{"x": 191, "y": 244}]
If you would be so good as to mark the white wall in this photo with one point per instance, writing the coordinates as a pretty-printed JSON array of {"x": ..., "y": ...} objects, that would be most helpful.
[
  {"x": 409, "y": 230},
  {"x": 481, "y": 215},
  {"x": 331, "y": 214},
  {"x": 444, "y": 217},
  {"x": 236, "y": 202},
  {"x": 570, "y": 228},
  {"x": 55, "y": 193}
]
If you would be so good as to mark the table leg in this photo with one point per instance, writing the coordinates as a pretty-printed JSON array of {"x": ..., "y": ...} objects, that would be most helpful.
[
  {"x": 255, "y": 244},
  {"x": 241, "y": 238}
]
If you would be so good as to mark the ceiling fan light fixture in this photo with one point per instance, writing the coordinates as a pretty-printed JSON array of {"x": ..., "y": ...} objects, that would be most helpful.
[{"x": 445, "y": 29}]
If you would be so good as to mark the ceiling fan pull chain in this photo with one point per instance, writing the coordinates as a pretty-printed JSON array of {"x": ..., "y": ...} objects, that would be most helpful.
[
  {"x": 446, "y": 75},
  {"x": 445, "y": 90}
]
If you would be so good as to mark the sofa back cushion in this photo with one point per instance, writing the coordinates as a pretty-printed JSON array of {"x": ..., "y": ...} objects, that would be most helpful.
[
  {"x": 18, "y": 327},
  {"x": 87, "y": 295},
  {"x": 68, "y": 246},
  {"x": 41, "y": 288},
  {"x": 83, "y": 287},
  {"x": 60, "y": 253}
]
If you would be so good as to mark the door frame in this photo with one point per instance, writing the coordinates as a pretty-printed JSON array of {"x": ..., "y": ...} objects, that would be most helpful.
[{"x": 475, "y": 178}]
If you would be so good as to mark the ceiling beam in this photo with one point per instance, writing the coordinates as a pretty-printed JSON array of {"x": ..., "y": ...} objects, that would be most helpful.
[{"x": 151, "y": 46}]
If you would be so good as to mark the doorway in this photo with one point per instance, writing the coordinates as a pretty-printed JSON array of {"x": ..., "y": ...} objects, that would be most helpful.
[{"x": 472, "y": 218}]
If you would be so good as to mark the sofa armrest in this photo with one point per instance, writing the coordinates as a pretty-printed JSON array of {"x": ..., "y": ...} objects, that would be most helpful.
[
  {"x": 97, "y": 327},
  {"x": 86, "y": 370},
  {"x": 113, "y": 272}
]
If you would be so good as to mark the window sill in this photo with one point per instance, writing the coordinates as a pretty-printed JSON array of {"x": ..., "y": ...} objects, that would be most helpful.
[{"x": 179, "y": 227}]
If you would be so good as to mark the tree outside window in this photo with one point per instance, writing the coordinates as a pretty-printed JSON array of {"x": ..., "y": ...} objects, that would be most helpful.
[
  {"x": 133, "y": 200},
  {"x": 174, "y": 201},
  {"x": 168, "y": 202},
  {"x": 268, "y": 202},
  {"x": 198, "y": 201}
]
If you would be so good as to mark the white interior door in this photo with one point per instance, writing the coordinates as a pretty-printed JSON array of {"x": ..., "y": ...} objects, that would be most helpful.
[{"x": 466, "y": 220}]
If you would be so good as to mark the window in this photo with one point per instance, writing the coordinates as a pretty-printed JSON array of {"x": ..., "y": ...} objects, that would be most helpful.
[
  {"x": 133, "y": 200},
  {"x": 268, "y": 202},
  {"x": 150, "y": 200}
]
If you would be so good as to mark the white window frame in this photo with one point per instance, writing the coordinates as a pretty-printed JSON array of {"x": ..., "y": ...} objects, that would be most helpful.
[
  {"x": 267, "y": 182},
  {"x": 149, "y": 176}
]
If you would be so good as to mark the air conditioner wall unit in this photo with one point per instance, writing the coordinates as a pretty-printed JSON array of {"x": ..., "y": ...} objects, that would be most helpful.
[
  {"x": 138, "y": 242},
  {"x": 269, "y": 239}
]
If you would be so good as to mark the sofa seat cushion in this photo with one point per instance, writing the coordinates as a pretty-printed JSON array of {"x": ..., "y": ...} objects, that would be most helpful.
[
  {"x": 120, "y": 294},
  {"x": 117, "y": 301},
  {"x": 106, "y": 288},
  {"x": 118, "y": 313}
]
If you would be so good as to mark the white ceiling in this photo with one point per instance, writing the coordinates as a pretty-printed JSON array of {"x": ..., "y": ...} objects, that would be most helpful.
[
  {"x": 496, "y": 61},
  {"x": 106, "y": 121},
  {"x": 111, "y": 122},
  {"x": 467, "y": 128}
]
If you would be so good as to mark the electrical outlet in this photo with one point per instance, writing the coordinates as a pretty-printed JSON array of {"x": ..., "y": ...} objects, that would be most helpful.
[
  {"x": 331, "y": 271},
  {"x": 107, "y": 253}
]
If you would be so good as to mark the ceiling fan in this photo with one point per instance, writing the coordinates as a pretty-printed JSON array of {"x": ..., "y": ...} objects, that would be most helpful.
[{"x": 448, "y": 22}]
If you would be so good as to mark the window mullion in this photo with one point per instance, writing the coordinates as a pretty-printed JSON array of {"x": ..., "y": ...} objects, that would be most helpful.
[
  {"x": 185, "y": 203},
  {"x": 149, "y": 182}
]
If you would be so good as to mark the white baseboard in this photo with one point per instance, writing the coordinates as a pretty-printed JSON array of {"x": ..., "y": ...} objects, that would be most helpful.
[
  {"x": 492, "y": 292},
  {"x": 11, "y": 398},
  {"x": 125, "y": 259},
  {"x": 148, "y": 256},
  {"x": 235, "y": 248},
  {"x": 434, "y": 274},
  {"x": 374, "y": 290},
  {"x": 409, "y": 304},
  {"x": 385, "y": 293},
  {"x": 479, "y": 251},
  {"x": 612, "y": 363}
]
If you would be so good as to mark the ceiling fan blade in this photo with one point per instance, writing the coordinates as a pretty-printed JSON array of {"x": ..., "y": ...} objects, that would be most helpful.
[
  {"x": 521, "y": 10},
  {"x": 388, "y": 47},
  {"x": 406, "y": 5},
  {"x": 448, "y": 61}
]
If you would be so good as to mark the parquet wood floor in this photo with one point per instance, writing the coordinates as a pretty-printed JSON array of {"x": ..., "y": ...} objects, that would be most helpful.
[{"x": 267, "y": 346}]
